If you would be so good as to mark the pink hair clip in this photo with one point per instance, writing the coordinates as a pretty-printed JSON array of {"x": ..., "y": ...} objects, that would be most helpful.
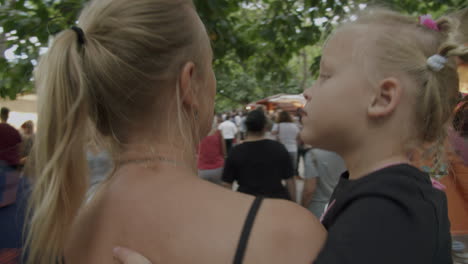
[
  {"x": 437, "y": 185},
  {"x": 427, "y": 21}
]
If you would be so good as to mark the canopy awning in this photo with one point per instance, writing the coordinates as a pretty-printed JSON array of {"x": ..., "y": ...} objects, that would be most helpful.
[{"x": 288, "y": 102}]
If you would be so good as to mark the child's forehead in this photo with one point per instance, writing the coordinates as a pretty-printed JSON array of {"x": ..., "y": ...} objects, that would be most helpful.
[
  {"x": 346, "y": 41},
  {"x": 340, "y": 45}
]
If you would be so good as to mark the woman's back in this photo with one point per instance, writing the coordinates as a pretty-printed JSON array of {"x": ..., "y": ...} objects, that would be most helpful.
[{"x": 172, "y": 219}]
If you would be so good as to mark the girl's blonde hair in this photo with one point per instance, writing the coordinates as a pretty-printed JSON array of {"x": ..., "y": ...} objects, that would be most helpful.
[
  {"x": 111, "y": 83},
  {"x": 403, "y": 46}
]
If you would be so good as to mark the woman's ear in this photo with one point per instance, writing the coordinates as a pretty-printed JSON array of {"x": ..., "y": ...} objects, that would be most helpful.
[{"x": 187, "y": 85}]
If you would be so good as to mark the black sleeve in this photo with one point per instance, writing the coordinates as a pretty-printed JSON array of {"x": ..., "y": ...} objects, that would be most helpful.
[
  {"x": 376, "y": 230},
  {"x": 229, "y": 171}
]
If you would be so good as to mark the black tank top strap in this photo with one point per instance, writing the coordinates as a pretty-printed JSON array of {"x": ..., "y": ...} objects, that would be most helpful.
[{"x": 244, "y": 238}]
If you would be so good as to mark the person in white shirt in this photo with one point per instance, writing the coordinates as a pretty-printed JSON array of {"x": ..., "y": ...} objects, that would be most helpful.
[
  {"x": 287, "y": 132},
  {"x": 238, "y": 120},
  {"x": 229, "y": 131}
]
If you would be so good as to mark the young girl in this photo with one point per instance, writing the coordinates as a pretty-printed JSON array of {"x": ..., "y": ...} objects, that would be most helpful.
[
  {"x": 387, "y": 86},
  {"x": 139, "y": 74}
]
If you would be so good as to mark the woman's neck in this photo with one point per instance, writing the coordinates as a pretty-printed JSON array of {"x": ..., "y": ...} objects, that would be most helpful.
[{"x": 158, "y": 154}]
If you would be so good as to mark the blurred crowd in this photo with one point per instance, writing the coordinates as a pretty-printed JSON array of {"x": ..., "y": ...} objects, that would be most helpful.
[{"x": 261, "y": 153}]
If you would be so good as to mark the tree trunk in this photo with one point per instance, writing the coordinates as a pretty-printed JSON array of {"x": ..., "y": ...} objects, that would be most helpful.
[
  {"x": 305, "y": 69},
  {"x": 3, "y": 45}
]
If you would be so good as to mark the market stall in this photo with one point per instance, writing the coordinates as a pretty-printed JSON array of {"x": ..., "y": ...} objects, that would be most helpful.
[{"x": 287, "y": 102}]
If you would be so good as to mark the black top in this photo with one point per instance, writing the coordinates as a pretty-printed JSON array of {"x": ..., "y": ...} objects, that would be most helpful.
[
  {"x": 244, "y": 238},
  {"x": 259, "y": 167},
  {"x": 393, "y": 215}
]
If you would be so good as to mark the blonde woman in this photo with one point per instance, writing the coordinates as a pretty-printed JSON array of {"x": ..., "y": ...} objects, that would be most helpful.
[{"x": 139, "y": 73}]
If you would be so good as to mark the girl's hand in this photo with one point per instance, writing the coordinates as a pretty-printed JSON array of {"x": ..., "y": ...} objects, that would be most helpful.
[{"x": 127, "y": 256}]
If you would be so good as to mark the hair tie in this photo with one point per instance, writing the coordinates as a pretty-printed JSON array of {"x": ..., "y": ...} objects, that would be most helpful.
[
  {"x": 427, "y": 21},
  {"x": 80, "y": 33},
  {"x": 437, "y": 62}
]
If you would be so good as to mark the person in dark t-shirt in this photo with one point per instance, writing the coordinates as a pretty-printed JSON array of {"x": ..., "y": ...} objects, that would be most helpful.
[
  {"x": 12, "y": 206},
  {"x": 259, "y": 165},
  {"x": 10, "y": 140}
]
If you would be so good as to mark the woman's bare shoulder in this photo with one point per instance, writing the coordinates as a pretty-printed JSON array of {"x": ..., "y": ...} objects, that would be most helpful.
[{"x": 288, "y": 230}]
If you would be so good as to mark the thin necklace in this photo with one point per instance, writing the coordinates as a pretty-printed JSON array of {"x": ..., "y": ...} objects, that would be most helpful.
[
  {"x": 154, "y": 157},
  {"x": 146, "y": 162}
]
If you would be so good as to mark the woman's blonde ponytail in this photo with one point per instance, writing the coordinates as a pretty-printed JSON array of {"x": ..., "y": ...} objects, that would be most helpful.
[{"x": 59, "y": 164}]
